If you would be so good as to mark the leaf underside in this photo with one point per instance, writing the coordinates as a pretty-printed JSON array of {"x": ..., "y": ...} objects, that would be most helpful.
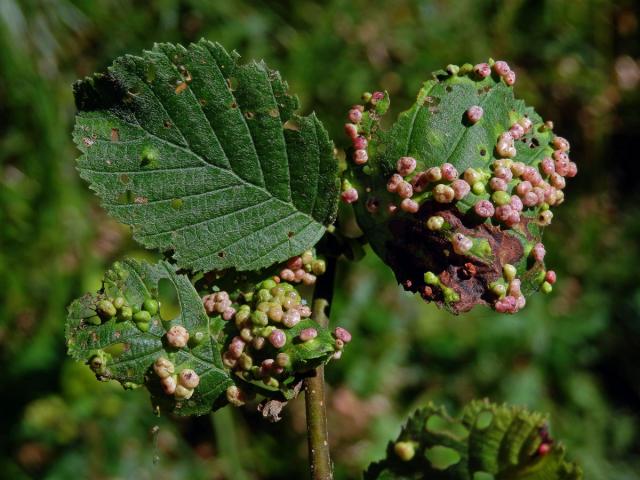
[
  {"x": 130, "y": 352},
  {"x": 487, "y": 442},
  {"x": 205, "y": 158}
]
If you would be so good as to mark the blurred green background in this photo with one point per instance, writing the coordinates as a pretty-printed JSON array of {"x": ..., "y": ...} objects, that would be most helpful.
[{"x": 574, "y": 353}]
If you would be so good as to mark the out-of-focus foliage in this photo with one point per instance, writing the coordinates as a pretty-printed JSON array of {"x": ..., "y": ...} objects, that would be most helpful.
[{"x": 573, "y": 353}]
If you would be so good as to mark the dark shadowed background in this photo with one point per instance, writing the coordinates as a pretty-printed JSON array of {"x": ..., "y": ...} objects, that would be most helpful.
[{"x": 574, "y": 353}]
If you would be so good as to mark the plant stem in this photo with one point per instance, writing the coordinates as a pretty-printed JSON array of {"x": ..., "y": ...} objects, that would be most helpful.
[{"x": 317, "y": 435}]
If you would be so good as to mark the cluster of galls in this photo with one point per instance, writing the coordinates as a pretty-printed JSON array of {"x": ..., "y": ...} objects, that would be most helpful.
[
  {"x": 119, "y": 308},
  {"x": 509, "y": 195},
  {"x": 303, "y": 268},
  {"x": 357, "y": 130},
  {"x": 179, "y": 384},
  {"x": 260, "y": 327}
]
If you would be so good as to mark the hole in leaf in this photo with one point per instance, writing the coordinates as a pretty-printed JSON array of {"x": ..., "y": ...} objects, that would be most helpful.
[
  {"x": 442, "y": 457},
  {"x": 221, "y": 254},
  {"x": 441, "y": 426},
  {"x": 291, "y": 125},
  {"x": 290, "y": 234},
  {"x": 168, "y": 298},
  {"x": 484, "y": 420},
  {"x": 483, "y": 151},
  {"x": 234, "y": 105},
  {"x": 448, "y": 88},
  {"x": 167, "y": 124},
  {"x": 249, "y": 115},
  {"x": 115, "y": 135}
]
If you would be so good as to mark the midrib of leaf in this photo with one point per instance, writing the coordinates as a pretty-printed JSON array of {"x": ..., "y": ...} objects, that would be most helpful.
[{"x": 413, "y": 120}]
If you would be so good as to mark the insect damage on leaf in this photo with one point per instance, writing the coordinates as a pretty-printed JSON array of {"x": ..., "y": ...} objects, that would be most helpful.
[
  {"x": 271, "y": 342},
  {"x": 121, "y": 334},
  {"x": 454, "y": 197},
  {"x": 192, "y": 150},
  {"x": 486, "y": 442}
]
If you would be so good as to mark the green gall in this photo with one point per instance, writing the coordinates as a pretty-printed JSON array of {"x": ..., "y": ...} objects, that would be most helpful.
[
  {"x": 93, "y": 320},
  {"x": 264, "y": 295},
  {"x": 126, "y": 313},
  {"x": 142, "y": 317},
  {"x": 478, "y": 188},
  {"x": 501, "y": 198},
  {"x": 245, "y": 362},
  {"x": 430, "y": 278},
  {"x": 143, "y": 326},
  {"x": 405, "y": 450},
  {"x": 546, "y": 287},
  {"x": 105, "y": 309},
  {"x": 259, "y": 318},
  {"x": 509, "y": 272},
  {"x": 119, "y": 302},
  {"x": 268, "y": 284},
  {"x": 318, "y": 267},
  {"x": 450, "y": 295},
  {"x": 435, "y": 223},
  {"x": 498, "y": 289},
  {"x": 151, "y": 306}
]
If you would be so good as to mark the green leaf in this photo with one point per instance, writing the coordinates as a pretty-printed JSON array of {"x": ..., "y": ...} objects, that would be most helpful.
[
  {"x": 436, "y": 130},
  {"x": 117, "y": 347},
  {"x": 205, "y": 158},
  {"x": 486, "y": 442}
]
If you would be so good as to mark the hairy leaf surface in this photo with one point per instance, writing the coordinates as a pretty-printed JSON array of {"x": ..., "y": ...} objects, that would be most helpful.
[{"x": 205, "y": 158}]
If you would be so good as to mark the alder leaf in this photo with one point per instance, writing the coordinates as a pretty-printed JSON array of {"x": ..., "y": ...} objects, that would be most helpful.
[
  {"x": 118, "y": 346},
  {"x": 205, "y": 158},
  {"x": 474, "y": 195},
  {"x": 486, "y": 442}
]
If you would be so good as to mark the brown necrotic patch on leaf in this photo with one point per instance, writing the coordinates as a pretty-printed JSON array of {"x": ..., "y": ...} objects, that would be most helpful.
[{"x": 413, "y": 249}]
